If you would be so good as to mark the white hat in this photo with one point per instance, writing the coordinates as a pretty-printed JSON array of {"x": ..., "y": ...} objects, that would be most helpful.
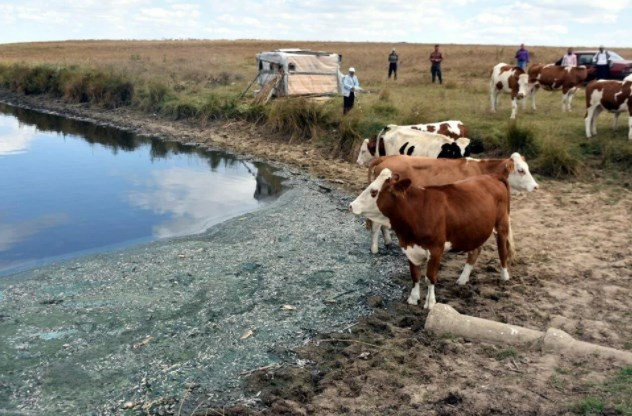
[{"x": 351, "y": 69}]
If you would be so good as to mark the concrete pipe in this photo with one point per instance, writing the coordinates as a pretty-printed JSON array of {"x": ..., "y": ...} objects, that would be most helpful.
[{"x": 444, "y": 319}]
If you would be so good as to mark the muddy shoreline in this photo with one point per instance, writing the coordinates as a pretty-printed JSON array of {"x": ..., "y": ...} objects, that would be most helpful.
[{"x": 572, "y": 267}]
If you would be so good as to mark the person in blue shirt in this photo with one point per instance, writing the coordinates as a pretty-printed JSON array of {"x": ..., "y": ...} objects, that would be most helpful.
[{"x": 350, "y": 85}]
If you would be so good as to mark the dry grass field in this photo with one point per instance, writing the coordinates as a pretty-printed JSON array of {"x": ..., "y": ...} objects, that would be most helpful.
[
  {"x": 201, "y": 79},
  {"x": 573, "y": 235}
]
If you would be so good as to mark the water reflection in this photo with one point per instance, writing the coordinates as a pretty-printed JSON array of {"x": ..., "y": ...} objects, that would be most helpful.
[
  {"x": 193, "y": 199},
  {"x": 71, "y": 186},
  {"x": 14, "y": 139}
]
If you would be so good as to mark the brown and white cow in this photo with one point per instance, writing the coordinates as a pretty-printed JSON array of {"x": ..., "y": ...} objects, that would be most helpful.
[
  {"x": 554, "y": 77},
  {"x": 451, "y": 128},
  {"x": 428, "y": 221},
  {"x": 612, "y": 96},
  {"x": 434, "y": 172},
  {"x": 510, "y": 80},
  {"x": 404, "y": 140}
]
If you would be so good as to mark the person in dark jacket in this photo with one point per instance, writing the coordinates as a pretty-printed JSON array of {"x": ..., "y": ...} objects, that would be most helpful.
[
  {"x": 435, "y": 64},
  {"x": 522, "y": 57},
  {"x": 393, "y": 58}
]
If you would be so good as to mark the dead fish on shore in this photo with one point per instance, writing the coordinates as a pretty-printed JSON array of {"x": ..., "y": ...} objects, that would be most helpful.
[
  {"x": 247, "y": 334},
  {"x": 142, "y": 343}
]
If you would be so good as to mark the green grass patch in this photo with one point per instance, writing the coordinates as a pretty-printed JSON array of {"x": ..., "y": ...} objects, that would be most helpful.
[
  {"x": 506, "y": 353},
  {"x": 614, "y": 396}
]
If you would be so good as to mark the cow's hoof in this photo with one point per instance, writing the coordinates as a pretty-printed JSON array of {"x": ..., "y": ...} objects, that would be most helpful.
[
  {"x": 412, "y": 301},
  {"x": 504, "y": 275},
  {"x": 430, "y": 304},
  {"x": 461, "y": 281},
  {"x": 374, "y": 250}
]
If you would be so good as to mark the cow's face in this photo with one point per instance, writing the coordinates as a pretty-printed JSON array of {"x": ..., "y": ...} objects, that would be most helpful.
[
  {"x": 463, "y": 144},
  {"x": 449, "y": 151},
  {"x": 519, "y": 177},
  {"x": 523, "y": 86},
  {"x": 364, "y": 157},
  {"x": 366, "y": 203}
]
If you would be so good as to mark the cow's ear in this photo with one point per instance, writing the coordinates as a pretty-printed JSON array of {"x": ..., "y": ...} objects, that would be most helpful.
[
  {"x": 394, "y": 177},
  {"x": 510, "y": 166},
  {"x": 401, "y": 186}
]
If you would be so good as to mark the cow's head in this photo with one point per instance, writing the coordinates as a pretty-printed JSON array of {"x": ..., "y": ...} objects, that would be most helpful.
[
  {"x": 628, "y": 78},
  {"x": 519, "y": 176},
  {"x": 365, "y": 155},
  {"x": 449, "y": 151},
  {"x": 523, "y": 85},
  {"x": 366, "y": 203},
  {"x": 455, "y": 150}
]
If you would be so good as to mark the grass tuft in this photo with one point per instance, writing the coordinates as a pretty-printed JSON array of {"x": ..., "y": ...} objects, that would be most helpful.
[
  {"x": 556, "y": 160},
  {"x": 522, "y": 140},
  {"x": 298, "y": 118}
]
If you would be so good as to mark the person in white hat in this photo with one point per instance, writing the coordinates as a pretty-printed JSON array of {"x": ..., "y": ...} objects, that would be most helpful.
[{"x": 350, "y": 85}]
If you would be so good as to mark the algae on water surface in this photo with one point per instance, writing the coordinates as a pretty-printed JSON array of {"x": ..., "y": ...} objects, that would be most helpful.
[{"x": 143, "y": 324}]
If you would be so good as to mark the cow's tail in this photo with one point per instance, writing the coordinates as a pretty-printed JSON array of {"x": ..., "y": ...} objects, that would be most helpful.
[{"x": 511, "y": 247}]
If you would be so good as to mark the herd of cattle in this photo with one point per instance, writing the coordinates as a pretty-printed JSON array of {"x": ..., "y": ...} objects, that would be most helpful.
[
  {"x": 610, "y": 95},
  {"x": 424, "y": 187}
]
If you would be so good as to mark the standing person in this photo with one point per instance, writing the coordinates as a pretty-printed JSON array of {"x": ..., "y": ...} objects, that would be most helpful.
[
  {"x": 602, "y": 62},
  {"x": 350, "y": 85},
  {"x": 570, "y": 59},
  {"x": 392, "y": 64},
  {"x": 435, "y": 67},
  {"x": 522, "y": 57}
]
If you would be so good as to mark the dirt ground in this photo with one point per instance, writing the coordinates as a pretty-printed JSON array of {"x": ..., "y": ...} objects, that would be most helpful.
[{"x": 573, "y": 270}]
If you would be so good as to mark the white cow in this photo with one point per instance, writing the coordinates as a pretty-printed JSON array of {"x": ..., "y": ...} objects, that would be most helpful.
[
  {"x": 510, "y": 80},
  {"x": 404, "y": 140}
]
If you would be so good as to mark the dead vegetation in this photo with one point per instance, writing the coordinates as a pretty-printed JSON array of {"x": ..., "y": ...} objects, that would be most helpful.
[{"x": 201, "y": 80}]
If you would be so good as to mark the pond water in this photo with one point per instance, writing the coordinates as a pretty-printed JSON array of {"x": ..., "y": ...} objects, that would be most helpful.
[{"x": 71, "y": 187}]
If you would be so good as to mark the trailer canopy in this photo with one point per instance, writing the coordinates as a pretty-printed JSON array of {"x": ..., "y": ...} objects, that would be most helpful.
[{"x": 296, "y": 72}]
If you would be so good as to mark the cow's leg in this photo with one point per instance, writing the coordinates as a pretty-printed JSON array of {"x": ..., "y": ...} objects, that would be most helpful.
[
  {"x": 472, "y": 256},
  {"x": 493, "y": 97},
  {"x": 588, "y": 120},
  {"x": 533, "y": 91},
  {"x": 415, "y": 274},
  {"x": 569, "y": 100},
  {"x": 387, "y": 235},
  {"x": 564, "y": 102},
  {"x": 375, "y": 232},
  {"x": 502, "y": 241},
  {"x": 630, "y": 126},
  {"x": 593, "y": 123},
  {"x": 615, "y": 121},
  {"x": 514, "y": 108},
  {"x": 432, "y": 269}
]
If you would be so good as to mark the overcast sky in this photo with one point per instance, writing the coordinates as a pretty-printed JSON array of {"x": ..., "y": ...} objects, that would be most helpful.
[{"x": 541, "y": 22}]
